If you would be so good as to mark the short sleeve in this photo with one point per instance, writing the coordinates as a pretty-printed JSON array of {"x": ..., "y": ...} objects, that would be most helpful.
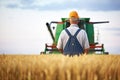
[{"x": 86, "y": 42}]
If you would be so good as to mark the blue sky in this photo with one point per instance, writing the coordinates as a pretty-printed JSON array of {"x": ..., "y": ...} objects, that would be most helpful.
[
  {"x": 23, "y": 29},
  {"x": 103, "y": 5}
]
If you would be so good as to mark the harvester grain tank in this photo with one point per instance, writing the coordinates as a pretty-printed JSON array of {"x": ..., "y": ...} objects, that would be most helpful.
[{"x": 84, "y": 23}]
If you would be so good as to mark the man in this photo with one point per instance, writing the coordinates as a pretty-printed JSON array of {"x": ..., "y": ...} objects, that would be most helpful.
[{"x": 73, "y": 40}]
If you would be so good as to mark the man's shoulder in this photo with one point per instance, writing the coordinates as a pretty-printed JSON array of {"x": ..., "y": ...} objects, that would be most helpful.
[
  {"x": 82, "y": 30},
  {"x": 63, "y": 31}
]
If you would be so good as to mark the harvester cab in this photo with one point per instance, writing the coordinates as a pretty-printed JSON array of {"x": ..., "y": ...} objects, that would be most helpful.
[{"x": 83, "y": 24}]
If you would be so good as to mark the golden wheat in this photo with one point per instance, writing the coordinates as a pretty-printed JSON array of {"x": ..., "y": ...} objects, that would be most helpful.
[{"x": 59, "y": 67}]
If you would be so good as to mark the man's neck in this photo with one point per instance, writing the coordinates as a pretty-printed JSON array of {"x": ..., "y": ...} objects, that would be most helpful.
[{"x": 73, "y": 22}]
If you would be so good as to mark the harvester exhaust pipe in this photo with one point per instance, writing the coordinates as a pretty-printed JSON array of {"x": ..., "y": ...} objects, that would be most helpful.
[
  {"x": 99, "y": 22},
  {"x": 49, "y": 29},
  {"x": 56, "y": 22}
]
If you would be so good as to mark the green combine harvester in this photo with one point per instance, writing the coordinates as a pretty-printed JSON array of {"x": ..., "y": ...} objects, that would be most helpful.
[{"x": 83, "y": 24}]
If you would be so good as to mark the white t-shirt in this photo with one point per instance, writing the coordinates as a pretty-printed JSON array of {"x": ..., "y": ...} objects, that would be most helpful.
[{"x": 81, "y": 36}]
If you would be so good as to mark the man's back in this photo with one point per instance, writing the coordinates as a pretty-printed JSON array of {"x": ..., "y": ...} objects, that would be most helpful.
[
  {"x": 73, "y": 46},
  {"x": 82, "y": 37}
]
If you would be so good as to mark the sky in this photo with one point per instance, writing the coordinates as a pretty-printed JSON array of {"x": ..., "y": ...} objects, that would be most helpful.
[
  {"x": 105, "y": 5},
  {"x": 23, "y": 29}
]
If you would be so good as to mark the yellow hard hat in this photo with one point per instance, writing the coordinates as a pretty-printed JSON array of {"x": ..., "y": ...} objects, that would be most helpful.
[{"x": 73, "y": 14}]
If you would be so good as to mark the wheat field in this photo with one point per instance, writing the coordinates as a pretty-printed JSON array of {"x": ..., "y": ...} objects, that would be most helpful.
[{"x": 59, "y": 67}]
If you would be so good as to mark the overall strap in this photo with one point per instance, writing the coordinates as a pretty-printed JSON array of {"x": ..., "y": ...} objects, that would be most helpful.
[
  {"x": 69, "y": 34},
  {"x": 77, "y": 32}
]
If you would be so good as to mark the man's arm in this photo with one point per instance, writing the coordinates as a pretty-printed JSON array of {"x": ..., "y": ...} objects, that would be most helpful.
[
  {"x": 86, "y": 43},
  {"x": 60, "y": 43}
]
